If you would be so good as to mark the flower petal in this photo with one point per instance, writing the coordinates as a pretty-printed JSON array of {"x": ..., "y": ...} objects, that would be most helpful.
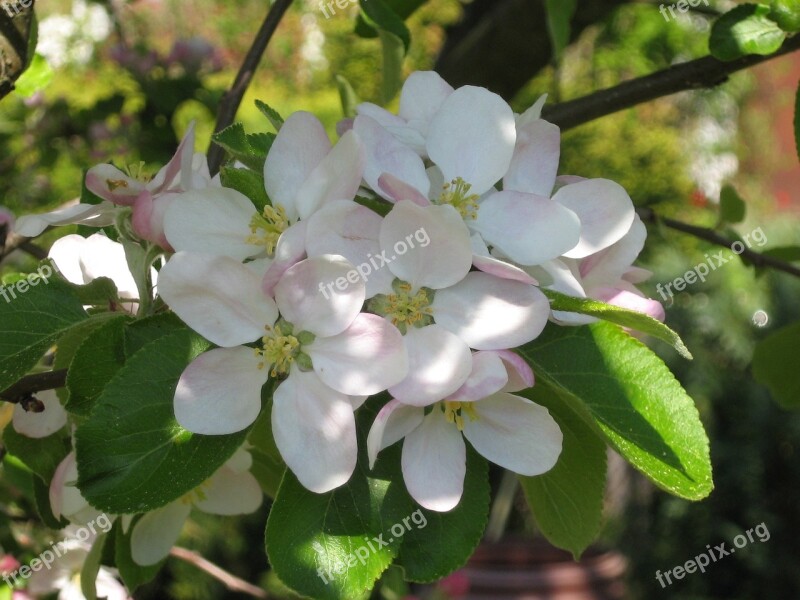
[
  {"x": 111, "y": 184},
  {"x": 520, "y": 374},
  {"x": 488, "y": 376},
  {"x": 534, "y": 112},
  {"x": 534, "y": 166},
  {"x": 483, "y": 261},
  {"x": 177, "y": 173},
  {"x": 218, "y": 297},
  {"x": 439, "y": 363},
  {"x": 220, "y": 391},
  {"x": 434, "y": 463},
  {"x": 148, "y": 217},
  {"x": 65, "y": 498},
  {"x": 446, "y": 257},
  {"x": 490, "y": 313},
  {"x": 156, "y": 533},
  {"x": 211, "y": 221},
  {"x": 631, "y": 301},
  {"x": 305, "y": 410},
  {"x": 394, "y": 421},
  {"x": 306, "y": 296},
  {"x": 366, "y": 358},
  {"x": 605, "y": 210},
  {"x": 395, "y": 190},
  {"x": 42, "y": 424},
  {"x": 230, "y": 492},
  {"x": 473, "y": 137},
  {"x": 299, "y": 147},
  {"x": 289, "y": 251},
  {"x": 92, "y": 215},
  {"x": 609, "y": 265},
  {"x": 515, "y": 433},
  {"x": 528, "y": 229},
  {"x": 423, "y": 95}
]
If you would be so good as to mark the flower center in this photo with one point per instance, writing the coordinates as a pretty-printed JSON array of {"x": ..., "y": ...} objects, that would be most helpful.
[
  {"x": 134, "y": 171},
  {"x": 280, "y": 348},
  {"x": 404, "y": 308},
  {"x": 457, "y": 195},
  {"x": 454, "y": 412},
  {"x": 267, "y": 227},
  {"x": 198, "y": 494}
]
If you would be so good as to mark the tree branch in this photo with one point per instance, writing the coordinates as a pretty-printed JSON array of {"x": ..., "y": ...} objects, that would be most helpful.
[
  {"x": 230, "y": 581},
  {"x": 15, "y": 241},
  {"x": 711, "y": 236},
  {"x": 30, "y": 384},
  {"x": 695, "y": 74},
  {"x": 233, "y": 97}
]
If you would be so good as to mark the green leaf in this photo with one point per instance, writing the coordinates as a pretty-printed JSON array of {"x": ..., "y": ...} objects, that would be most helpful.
[
  {"x": 402, "y": 8},
  {"x": 36, "y": 77},
  {"x": 732, "y": 208},
  {"x": 376, "y": 205},
  {"x": 348, "y": 96},
  {"x": 559, "y": 17},
  {"x": 132, "y": 454},
  {"x": 785, "y": 253},
  {"x": 140, "y": 333},
  {"x": 31, "y": 321},
  {"x": 248, "y": 182},
  {"x": 786, "y": 13},
  {"x": 268, "y": 466},
  {"x": 99, "y": 292},
  {"x": 439, "y": 543},
  {"x": 273, "y": 116},
  {"x": 236, "y": 142},
  {"x": 41, "y": 497},
  {"x": 91, "y": 567},
  {"x": 379, "y": 15},
  {"x": 747, "y": 29},
  {"x": 40, "y": 455},
  {"x": 621, "y": 316},
  {"x": 623, "y": 390},
  {"x": 775, "y": 365},
  {"x": 133, "y": 574},
  {"x": 95, "y": 363},
  {"x": 393, "y": 55},
  {"x": 567, "y": 501}
]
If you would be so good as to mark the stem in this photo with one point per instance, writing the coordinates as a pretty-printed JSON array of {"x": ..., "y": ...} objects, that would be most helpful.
[
  {"x": 230, "y": 581},
  {"x": 233, "y": 97},
  {"x": 695, "y": 74},
  {"x": 501, "y": 508},
  {"x": 17, "y": 242},
  {"x": 711, "y": 236},
  {"x": 37, "y": 382}
]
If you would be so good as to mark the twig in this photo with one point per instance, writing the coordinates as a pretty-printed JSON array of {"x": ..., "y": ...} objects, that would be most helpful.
[
  {"x": 695, "y": 74},
  {"x": 233, "y": 97},
  {"x": 711, "y": 236},
  {"x": 232, "y": 582},
  {"x": 37, "y": 382},
  {"x": 17, "y": 242}
]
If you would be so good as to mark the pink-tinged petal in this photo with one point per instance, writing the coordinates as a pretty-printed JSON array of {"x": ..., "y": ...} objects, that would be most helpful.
[
  {"x": 562, "y": 276},
  {"x": 515, "y": 433},
  {"x": 482, "y": 260},
  {"x": 366, "y": 358},
  {"x": 434, "y": 463},
  {"x": 397, "y": 190},
  {"x": 289, "y": 251},
  {"x": 218, "y": 297},
  {"x": 636, "y": 275},
  {"x": 305, "y": 299},
  {"x": 230, "y": 492},
  {"x": 528, "y": 229},
  {"x": 315, "y": 431},
  {"x": 487, "y": 377},
  {"x": 211, "y": 221},
  {"x": 381, "y": 115},
  {"x": 394, "y": 422},
  {"x": 176, "y": 174},
  {"x": 426, "y": 246},
  {"x": 299, "y": 147},
  {"x": 386, "y": 155},
  {"x": 111, "y": 184},
  {"x": 157, "y": 532},
  {"x": 520, "y": 374},
  {"x": 348, "y": 229},
  {"x": 148, "y": 217},
  {"x": 423, "y": 95},
  {"x": 344, "y": 125},
  {"x": 605, "y": 210},
  {"x": 65, "y": 498},
  {"x": 606, "y": 267},
  {"x": 473, "y": 137},
  {"x": 337, "y": 177},
  {"x": 490, "y": 313},
  {"x": 220, "y": 391},
  {"x": 533, "y": 114},
  {"x": 439, "y": 363},
  {"x": 41, "y": 424},
  {"x": 630, "y": 300},
  {"x": 535, "y": 163},
  {"x": 92, "y": 215}
]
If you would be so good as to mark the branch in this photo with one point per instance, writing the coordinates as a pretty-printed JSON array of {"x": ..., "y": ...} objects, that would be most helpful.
[
  {"x": 233, "y": 97},
  {"x": 30, "y": 384},
  {"x": 695, "y": 74},
  {"x": 15, "y": 241},
  {"x": 711, "y": 236},
  {"x": 230, "y": 581}
]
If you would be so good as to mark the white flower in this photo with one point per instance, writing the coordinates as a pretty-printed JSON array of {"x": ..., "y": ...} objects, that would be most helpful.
[
  {"x": 231, "y": 490},
  {"x": 40, "y": 424},
  {"x": 509, "y": 430},
  {"x": 66, "y": 499}
]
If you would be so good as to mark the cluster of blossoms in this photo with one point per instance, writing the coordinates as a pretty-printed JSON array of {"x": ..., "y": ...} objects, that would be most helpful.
[{"x": 282, "y": 294}]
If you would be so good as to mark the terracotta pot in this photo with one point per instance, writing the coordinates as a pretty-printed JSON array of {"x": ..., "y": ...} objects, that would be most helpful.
[{"x": 534, "y": 570}]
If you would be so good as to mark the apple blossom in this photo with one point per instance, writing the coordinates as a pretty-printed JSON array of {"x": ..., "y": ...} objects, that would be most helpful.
[{"x": 40, "y": 424}]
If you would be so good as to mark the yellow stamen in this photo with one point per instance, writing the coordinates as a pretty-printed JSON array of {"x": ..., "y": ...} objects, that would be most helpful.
[
  {"x": 279, "y": 351},
  {"x": 454, "y": 412},
  {"x": 405, "y": 309},
  {"x": 267, "y": 227},
  {"x": 457, "y": 195}
]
